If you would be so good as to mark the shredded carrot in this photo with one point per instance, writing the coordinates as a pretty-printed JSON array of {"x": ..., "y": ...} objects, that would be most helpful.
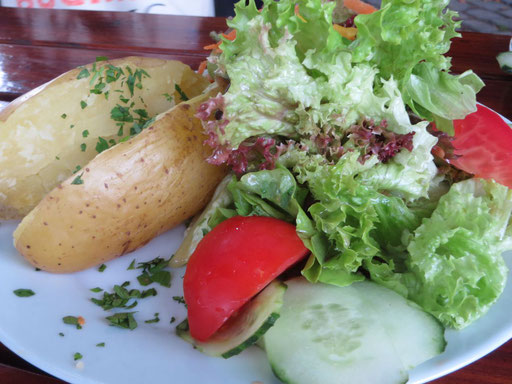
[
  {"x": 202, "y": 67},
  {"x": 231, "y": 35},
  {"x": 211, "y": 46},
  {"x": 359, "y": 6},
  {"x": 215, "y": 47},
  {"x": 297, "y": 13},
  {"x": 348, "y": 32}
]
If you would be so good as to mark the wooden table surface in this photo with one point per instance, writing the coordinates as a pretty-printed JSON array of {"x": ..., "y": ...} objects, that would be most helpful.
[{"x": 36, "y": 45}]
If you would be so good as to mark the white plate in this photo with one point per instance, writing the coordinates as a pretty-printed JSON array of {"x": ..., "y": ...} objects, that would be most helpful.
[{"x": 152, "y": 353}]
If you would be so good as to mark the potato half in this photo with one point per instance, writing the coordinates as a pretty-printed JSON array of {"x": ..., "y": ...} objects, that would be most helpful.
[
  {"x": 124, "y": 197},
  {"x": 49, "y": 132}
]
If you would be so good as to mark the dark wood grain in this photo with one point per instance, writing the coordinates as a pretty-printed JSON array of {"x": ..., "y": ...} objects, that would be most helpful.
[
  {"x": 107, "y": 30},
  {"x": 37, "y": 45},
  {"x": 478, "y": 51},
  {"x": 10, "y": 375}
]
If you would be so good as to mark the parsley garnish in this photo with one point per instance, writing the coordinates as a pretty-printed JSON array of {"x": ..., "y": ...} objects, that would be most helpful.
[
  {"x": 132, "y": 265},
  {"x": 83, "y": 104},
  {"x": 83, "y": 73},
  {"x": 123, "y": 320},
  {"x": 173, "y": 319},
  {"x": 156, "y": 319},
  {"x": 113, "y": 73},
  {"x": 83, "y": 147},
  {"x": 77, "y": 356},
  {"x": 102, "y": 267},
  {"x": 72, "y": 126},
  {"x": 153, "y": 272},
  {"x": 73, "y": 320},
  {"x": 182, "y": 94},
  {"x": 85, "y": 133},
  {"x": 100, "y": 344},
  {"x": 101, "y": 58},
  {"x": 61, "y": 334},
  {"x": 120, "y": 113},
  {"x": 63, "y": 115},
  {"x": 121, "y": 296},
  {"x": 78, "y": 180},
  {"x": 179, "y": 299},
  {"x": 77, "y": 169},
  {"x": 96, "y": 290},
  {"x": 98, "y": 88},
  {"x": 24, "y": 292},
  {"x": 168, "y": 97},
  {"x": 102, "y": 145}
]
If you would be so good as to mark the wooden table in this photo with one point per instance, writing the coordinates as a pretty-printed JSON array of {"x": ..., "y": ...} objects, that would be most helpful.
[{"x": 37, "y": 45}]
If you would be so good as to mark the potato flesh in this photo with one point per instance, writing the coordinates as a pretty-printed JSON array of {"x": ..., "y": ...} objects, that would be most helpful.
[
  {"x": 41, "y": 137},
  {"x": 130, "y": 193}
]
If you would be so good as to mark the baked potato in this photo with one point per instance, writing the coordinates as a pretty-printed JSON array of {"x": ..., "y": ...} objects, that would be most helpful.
[
  {"x": 55, "y": 129},
  {"x": 124, "y": 197}
]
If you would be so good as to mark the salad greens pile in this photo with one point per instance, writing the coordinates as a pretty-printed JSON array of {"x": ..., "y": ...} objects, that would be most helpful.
[{"x": 335, "y": 136}]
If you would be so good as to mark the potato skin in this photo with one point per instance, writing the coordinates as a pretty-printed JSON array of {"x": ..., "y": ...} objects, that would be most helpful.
[
  {"x": 130, "y": 193},
  {"x": 41, "y": 133}
]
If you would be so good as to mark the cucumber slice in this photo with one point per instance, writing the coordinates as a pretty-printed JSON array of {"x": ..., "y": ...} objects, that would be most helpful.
[
  {"x": 363, "y": 333},
  {"x": 243, "y": 329},
  {"x": 505, "y": 61}
]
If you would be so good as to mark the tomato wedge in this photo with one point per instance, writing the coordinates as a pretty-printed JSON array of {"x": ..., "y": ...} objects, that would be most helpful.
[
  {"x": 231, "y": 264},
  {"x": 484, "y": 142}
]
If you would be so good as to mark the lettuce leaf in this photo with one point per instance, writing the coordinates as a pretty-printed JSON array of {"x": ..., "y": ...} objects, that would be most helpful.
[
  {"x": 407, "y": 41},
  {"x": 455, "y": 263},
  {"x": 453, "y": 266}
]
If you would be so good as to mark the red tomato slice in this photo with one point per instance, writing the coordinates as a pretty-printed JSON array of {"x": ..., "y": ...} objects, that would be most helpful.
[
  {"x": 231, "y": 264},
  {"x": 484, "y": 142}
]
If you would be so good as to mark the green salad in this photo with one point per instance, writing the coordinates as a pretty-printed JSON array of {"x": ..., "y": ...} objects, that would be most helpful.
[{"x": 350, "y": 141}]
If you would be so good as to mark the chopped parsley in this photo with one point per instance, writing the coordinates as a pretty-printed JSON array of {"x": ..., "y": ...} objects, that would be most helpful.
[
  {"x": 100, "y": 345},
  {"x": 182, "y": 94},
  {"x": 132, "y": 265},
  {"x": 24, "y": 292},
  {"x": 122, "y": 114},
  {"x": 72, "y": 126},
  {"x": 96, "y": 290},
  {"x": 83, "y": 104},
  {"x": 123, "y": 320},
  {"x": 77, "y": 169},
  {"x": 113, "y": 73},
  {"x": 179, "y": 299},
  {"x": 173, "y": 319},
  {"x": 77, "y": 356},
  {"x": 63, "y": 115},
  {"x": 168, "y": 97},
  {"x": 78, "y": 180},
  {"x": 83, "y": 147},
  {"x": 74, "y": 320},
  {"x": 102, "y": 145},
  {"x": 156, "y": 319},
  {"x": 121, "y": 297},
  {"x": 102, "y": 267},
  {"x": 85, "y": 133},
  {"x": 83, "y": 74},
  {"x": 153, "y": 272},
  {"x": 101, "y": 58},
  {"x": 61, "y": 334}
]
